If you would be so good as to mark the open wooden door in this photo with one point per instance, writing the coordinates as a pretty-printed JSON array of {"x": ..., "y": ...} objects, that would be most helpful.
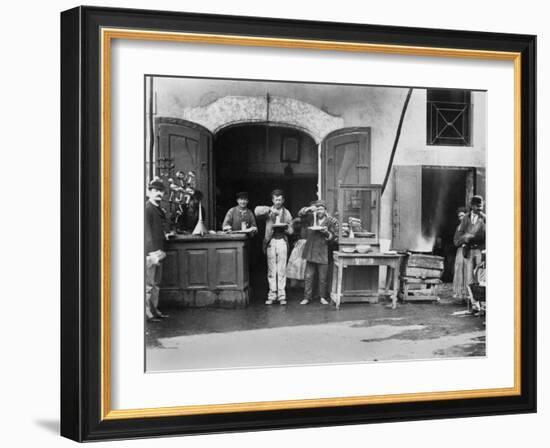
[
  {"x": 345, "y": 158},
  {"x": 189, "y": 147},
  {"x": 407, "y": 207}
]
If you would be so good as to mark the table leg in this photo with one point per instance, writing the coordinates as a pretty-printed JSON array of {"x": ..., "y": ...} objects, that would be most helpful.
[
  {"x": 388, "y": 280},
  {"x": 393, "y": 286},
  {"x": 389, "y": 285},
  {"x": 339, "y": 286},
  {"x": 334, "y": 283}
]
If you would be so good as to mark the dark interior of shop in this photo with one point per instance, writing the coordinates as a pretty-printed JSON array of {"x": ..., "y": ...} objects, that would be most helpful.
[
  {"x": 258, "y": 159},
  {"x": 444, "y": 190}
]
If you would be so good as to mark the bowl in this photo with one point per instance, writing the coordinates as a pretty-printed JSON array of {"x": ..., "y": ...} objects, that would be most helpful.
[
  {"x": 348, "y": 250},
  {"x": 363, "y": 248}
]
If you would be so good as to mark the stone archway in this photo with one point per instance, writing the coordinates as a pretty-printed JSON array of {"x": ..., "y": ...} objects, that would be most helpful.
[{"x": 231, "y": 110}]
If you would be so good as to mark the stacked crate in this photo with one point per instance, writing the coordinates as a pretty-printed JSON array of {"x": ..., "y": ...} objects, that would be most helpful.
[{"x": 421, "y": 277}]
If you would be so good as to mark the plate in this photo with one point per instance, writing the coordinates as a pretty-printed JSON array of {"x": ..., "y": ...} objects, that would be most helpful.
[
  {"x": 317, "y": 228},
  {"x": 364, "y": 234}
]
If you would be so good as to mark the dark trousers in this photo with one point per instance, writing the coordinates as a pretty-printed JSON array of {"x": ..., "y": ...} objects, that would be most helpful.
[{"x": 322, "y": 275}]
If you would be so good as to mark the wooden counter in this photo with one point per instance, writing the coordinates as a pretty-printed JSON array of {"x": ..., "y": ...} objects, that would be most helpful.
[{"x": 210, "y": 270}]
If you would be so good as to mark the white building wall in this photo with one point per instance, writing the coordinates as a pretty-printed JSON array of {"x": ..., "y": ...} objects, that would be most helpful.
[{"x": 376, "y": 107}]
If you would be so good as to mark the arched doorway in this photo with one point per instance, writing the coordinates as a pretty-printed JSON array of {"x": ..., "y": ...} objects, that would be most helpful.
[{"x": 258, "y": 158}]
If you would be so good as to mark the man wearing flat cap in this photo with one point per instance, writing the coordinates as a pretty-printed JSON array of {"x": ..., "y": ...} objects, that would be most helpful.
[
  {"x": 275, "y": 244},
  {"x": 155, "y": 227},
  {"x": 322, "y": 234},
  {"x": 470, "y": 235},
  {"x": 240, "y": 217}
]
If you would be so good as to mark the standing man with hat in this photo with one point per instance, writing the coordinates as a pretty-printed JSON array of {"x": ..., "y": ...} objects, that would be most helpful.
[
  {"x": 240, "y": 217},
  {"x": 275, "y": 244},
  {"x": 155, "y": 226},
  {"x": 319, "y": 242},
  {"x": 470, "y": 236}
]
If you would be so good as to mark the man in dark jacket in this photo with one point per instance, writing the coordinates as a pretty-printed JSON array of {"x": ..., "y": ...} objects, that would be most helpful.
[
  {"x": 319, "y": 242},
  {"x": 155, "y": 236},
  {"x": 470, "y": 236}
]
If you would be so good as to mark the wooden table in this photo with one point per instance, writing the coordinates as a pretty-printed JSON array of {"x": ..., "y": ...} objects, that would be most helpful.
[{"x": 342, "y": 260}]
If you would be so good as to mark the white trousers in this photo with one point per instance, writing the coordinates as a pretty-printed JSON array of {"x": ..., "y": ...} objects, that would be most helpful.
[{"x": 276, "y": 269}]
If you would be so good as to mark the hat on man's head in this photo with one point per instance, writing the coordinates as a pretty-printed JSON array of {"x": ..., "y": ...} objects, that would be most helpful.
[
  {"x": 320, "y": 203},
  {"x": 476, "y": 200},
  {"x": 242, "y": 195},
  {"x": 157, "y": 185},
  {"x": 277, "y": 192}
]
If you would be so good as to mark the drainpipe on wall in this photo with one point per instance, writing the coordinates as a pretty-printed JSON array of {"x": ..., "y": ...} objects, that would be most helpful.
[
  {"x": 151, "y": 131},
  {"x": 396, "y": 141}
]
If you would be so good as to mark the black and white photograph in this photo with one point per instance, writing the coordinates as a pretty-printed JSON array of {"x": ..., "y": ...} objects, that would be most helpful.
[
  {"x": 304, "y": 223},
  {"x": 266, "y": 224}
]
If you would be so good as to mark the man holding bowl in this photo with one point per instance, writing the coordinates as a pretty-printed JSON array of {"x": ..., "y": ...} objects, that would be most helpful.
[{"x": 322, "y": 234}]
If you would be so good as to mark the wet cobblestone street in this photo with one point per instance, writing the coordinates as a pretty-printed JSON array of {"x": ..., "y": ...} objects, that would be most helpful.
[{"x": 295, "y": 334}]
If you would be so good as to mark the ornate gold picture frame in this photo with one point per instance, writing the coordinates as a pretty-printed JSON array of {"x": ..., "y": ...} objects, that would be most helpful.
[{"x": 87, "y": 36}]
